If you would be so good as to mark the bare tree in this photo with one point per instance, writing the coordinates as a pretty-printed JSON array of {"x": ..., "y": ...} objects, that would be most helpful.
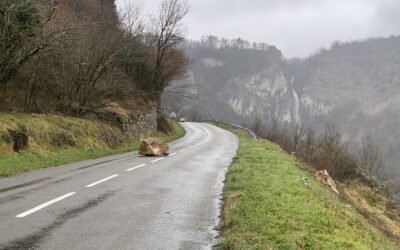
[
  {"x": 19, "y": 21},
  {"x": 78, "y": 56},
  {"x": 166, "y": 34},
  {"x": 371, "y": 162}
]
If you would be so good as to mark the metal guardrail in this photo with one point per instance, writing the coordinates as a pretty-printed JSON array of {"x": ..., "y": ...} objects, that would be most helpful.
[{"x": 254, "y": 135}]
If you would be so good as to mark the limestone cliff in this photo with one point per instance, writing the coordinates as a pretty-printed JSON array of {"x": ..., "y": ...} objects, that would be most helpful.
[{"x": 355, "y": 85}]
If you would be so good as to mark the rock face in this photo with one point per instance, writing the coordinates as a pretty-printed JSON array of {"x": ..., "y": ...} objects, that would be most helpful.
[
  {"x": 153, "y": 147},
  {"x": 355, "y": 85},
  {"x": 323, "y": 177},
  {"x": 233, "y": 85}
]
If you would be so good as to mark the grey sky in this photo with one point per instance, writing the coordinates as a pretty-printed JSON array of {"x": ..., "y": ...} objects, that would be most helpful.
[{"x": 297, "y": 27}]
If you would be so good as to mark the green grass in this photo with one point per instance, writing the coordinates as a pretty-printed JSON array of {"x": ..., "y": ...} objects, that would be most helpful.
[
  {"x": 268, "y": 206},
  {"x": 42, "y": 154}
]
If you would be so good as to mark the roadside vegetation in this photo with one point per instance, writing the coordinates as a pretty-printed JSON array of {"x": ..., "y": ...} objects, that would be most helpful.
[
  {"x": 55, "y": 140},
  {"x": 74, "y": 73},
  {"x": 271, "y": 201},
  {"x": 76, "y": 57},
  {"x": 358, "y": 170}
]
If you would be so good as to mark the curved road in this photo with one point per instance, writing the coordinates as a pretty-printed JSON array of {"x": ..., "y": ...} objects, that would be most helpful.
[{"x": 124, "y": 201}]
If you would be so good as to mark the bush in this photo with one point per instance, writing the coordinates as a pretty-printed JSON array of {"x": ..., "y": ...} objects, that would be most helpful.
[
  {"x": 165, "y": 125},
  {"x": 326, "y": 151},
  {"x": 333, "y": 155},
  {"x": 19, "y": 138}
]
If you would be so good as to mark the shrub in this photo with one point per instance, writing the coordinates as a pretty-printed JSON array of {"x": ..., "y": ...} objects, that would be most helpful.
[
  {"x": 326, "y": 151},
  {"x": 165, "y": 125},
  {"x": 333, "y": 155},
  {"x": 19, "y": 138}
]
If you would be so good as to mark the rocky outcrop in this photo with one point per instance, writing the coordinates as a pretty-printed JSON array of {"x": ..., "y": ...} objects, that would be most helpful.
[{"x": 247, "y": 97}]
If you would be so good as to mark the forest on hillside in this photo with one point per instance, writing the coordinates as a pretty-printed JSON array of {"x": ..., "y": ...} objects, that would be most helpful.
[
  {"x": 336, "y": 109},
  {"x": 76, "y": 57}
]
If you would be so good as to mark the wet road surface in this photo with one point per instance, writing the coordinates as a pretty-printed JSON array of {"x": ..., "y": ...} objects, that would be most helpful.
[{"x": 124, "y": 201}]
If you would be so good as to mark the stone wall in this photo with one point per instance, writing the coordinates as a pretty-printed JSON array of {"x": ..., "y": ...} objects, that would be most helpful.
[
  {"x": 145, "y": 124},
  {"x": 126, "y": 124}
]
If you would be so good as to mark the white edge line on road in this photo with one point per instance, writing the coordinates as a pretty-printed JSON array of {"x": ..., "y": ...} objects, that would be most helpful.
[
  {"x": 183, "y": 150},
  {"x": 172, "y": 154},
  {"x": 100, "y": 181},
  {"x": 35, "y": 209},
  {"x": 130, "y": 169},
  {"x": 156, "y": 160},
  {"x": 190, "y": 147}
]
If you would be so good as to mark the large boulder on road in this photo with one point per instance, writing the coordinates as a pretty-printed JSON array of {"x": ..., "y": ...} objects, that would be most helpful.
[{"x": 153, "y": 147}]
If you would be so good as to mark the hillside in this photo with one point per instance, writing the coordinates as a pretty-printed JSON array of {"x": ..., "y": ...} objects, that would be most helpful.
[
  {"x": 356, "y": 85},
  {"x": 78, "y": 79},
  {"x": 271, "y": 201},
  {"x": 353, "y": 85},
  {"x": 35, "y": 141}
]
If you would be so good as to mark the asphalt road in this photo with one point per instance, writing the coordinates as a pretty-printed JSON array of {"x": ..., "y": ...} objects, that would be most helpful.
[{"x": 124, "y": 201}]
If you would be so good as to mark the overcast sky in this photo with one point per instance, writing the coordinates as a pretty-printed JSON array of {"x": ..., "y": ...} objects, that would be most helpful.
[{"x": 297, "y": 27}]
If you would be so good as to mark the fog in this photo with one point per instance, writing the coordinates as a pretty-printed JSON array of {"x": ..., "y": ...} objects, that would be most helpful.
[
  {"x": 353, "y": 84},
  {"x": 298, "y": 28}
]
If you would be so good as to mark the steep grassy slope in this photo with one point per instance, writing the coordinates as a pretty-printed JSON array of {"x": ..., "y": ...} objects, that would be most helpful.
[
  {"x": 270, "y": 202},
  {"x": 55, "y": 140},
  {"x": 379, "y": 210}
]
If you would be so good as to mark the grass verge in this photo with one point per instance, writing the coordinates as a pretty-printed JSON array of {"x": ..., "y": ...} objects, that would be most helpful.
[
  {"x": 85, "y": 139},
  {"x": 271, "y": 202}
]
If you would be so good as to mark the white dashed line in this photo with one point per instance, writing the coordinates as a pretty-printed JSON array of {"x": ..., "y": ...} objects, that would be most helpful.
[
  {"x": 130, "y": 169},
  {"x": 44, "y": 205},
  {"x": 33, "y": 210},
  {"x": 156, "y": 160},
  {"x": 100, "y": 181}
]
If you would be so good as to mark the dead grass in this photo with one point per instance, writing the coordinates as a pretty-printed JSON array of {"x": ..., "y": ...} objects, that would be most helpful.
[
  {"x": 55, "y": 140},
  {"x": 46, "y": 132},
  {"x": 374, "y": 207}
]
